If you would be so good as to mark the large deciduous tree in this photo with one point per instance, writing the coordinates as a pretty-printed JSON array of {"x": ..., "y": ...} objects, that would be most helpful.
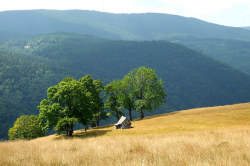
[
  {"x": 146, "y": 88},
  {"x": 69, "y": 102}
]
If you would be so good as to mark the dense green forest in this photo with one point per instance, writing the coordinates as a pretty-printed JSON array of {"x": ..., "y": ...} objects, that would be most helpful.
[
  {"x": 236, "y": 53},
  {"x": 191, "y": 79},
  {"x": 23, "y": 82},
  {"x": 226, "y": 44}
]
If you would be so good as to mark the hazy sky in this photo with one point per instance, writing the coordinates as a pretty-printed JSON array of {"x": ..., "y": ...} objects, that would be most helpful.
[{"x": 224, "y": 12}]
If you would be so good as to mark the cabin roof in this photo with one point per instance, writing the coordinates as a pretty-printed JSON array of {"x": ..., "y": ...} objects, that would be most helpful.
[{"x": 122, "y": 119}]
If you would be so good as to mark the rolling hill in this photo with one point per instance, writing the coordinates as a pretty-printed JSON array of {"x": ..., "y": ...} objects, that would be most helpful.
[
  {"x": 148, "y": 26},
  {"x": 191, "y": 79},
  {"x": 145, "y": 26},
  {"x": 203, "y": 136}
]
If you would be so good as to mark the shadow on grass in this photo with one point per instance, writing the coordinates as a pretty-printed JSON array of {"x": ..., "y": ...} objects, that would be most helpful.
[
  {"x": 83, "y": 134},
  {"x": 91, "y": 133}
]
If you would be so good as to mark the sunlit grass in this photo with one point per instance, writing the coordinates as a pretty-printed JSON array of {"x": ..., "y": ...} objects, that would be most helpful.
[
  {"x": 188, "y": 120},
  {"x": 205, "y": 136}
]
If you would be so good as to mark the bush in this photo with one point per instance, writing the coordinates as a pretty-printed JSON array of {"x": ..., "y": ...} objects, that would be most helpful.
[{"x": 26, "y": 127}]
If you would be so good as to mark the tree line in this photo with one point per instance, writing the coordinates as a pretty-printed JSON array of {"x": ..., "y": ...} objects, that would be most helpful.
[{"x": 87, "y": 101}]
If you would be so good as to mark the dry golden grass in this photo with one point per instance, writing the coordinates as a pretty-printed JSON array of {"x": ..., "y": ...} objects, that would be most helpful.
[
  {"x": 208, "y": 118},
  {"x": 221, "y": 147},
  {"x": 207, "y": 136}
]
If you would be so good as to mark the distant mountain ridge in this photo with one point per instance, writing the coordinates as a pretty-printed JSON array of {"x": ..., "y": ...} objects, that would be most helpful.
[{"x": 148, "y": 26}]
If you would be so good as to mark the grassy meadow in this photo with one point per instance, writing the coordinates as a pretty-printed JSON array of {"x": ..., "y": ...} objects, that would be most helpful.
[{"x": 205, "y": 136}]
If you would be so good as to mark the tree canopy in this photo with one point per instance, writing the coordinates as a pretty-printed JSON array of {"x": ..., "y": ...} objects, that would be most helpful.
[
  {"x": 146, "y": 88},
  {"x": 112, "y": 103},
  {"x": 140, "y": 89},
  {"x": 69, "y": 102}
]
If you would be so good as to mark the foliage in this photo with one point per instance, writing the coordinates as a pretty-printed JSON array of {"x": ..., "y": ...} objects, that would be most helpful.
[
  {"x": 126, "y": 98},
  {"x": 26, "y": 127},
  {"x": 71, "y": 101},
  {"x": 112, "y": 102},
  {"x": 94, "y": 89},
  {"x": 140, "y": 90},
  {"x": 64, "y": 125},
  {"x": 23, "y": 83},
  {"x": 147, "y": 89}
]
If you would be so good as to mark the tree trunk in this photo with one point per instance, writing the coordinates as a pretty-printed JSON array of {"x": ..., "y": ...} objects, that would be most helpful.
[
  {"x": 86, "y": 127},
  {"x": 70, "y": 131},
  {"x": 98, "y": 121},
  {"x": 93, "y": 124},
  {"x": 142, "y": 114},
  {"x": 130, "y": 114}
]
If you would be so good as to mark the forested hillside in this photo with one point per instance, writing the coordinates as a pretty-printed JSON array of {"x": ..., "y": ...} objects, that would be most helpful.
[
  {"x": 236, "y": 53},
  {"x": 226, "y": 44},
  {"x": 191, "y": 79},
  {"x": 149, "y": 26},
  {"x": 24, "y": 80}
]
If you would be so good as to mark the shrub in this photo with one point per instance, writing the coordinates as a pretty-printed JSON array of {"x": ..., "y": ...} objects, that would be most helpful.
[{"x": 26, "y": 127}]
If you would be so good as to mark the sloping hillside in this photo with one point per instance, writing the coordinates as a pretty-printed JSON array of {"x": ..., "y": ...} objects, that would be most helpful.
[
  {"x": 149, "y": 26},
  {"x": 236, "y": 53},
  {"x": 187, "y": 74},
  {"x": 146, "y": 26},
  {"x": 191, "y": 79},
  {"x": 24, "y": 80},
  {"x": 207, "y": 136},
  {"x": 208, "y": 118}
]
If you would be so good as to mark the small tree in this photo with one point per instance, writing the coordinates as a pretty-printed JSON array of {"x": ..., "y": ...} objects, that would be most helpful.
[
  {"x": 146, "y": 88},
  {"x": 26, "y": 127}
]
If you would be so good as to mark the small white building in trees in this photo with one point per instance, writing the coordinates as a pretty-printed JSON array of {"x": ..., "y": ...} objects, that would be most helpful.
[{"x": 123, "y": 123}]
